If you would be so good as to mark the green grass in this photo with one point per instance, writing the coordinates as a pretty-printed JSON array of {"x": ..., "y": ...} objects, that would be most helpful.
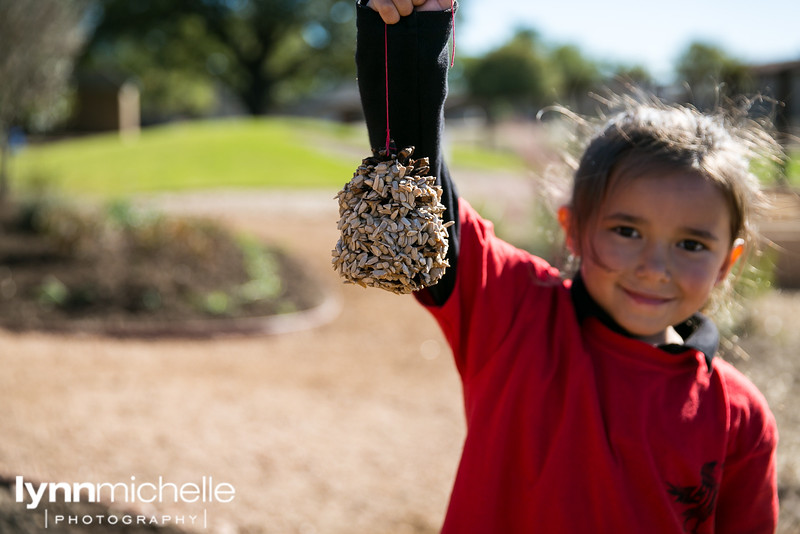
[
  {"x": 482, "y": 159},
  {"x": 793, "y": 168},
  {"x": 237, "y": 153},
  {"x": 270, "y": 153},
  {"x": 770, "y": 172}
]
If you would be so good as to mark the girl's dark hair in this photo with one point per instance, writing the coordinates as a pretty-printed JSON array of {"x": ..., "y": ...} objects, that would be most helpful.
[
  {"x": 718, "y": 147},
  {"x": 643, "y": 135}
]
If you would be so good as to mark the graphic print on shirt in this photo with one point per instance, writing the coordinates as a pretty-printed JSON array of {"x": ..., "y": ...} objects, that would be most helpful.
[{"x": 699, "y": 500}]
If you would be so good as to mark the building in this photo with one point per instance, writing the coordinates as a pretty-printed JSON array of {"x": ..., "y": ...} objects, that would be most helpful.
[
  {"x": 781, "y": 81},
  {"x": 106, "y": 103}
]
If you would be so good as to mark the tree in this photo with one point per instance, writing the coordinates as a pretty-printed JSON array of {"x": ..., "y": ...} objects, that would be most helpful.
[
  {"x": 577, "y": 75},
  {"x": 708, "y": 70},
  {"x": 637, "y": 75},
  {"x": 516, "y": 74},
  {"x": 38, "y": 44},
  {"x": 259, "y": 50}
]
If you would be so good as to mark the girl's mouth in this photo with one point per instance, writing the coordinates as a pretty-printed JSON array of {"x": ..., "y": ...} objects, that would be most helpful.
[{"x": 645, "y": 298}]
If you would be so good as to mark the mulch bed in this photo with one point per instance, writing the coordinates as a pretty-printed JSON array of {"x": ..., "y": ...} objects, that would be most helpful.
[{"x": 69, "y": 269}]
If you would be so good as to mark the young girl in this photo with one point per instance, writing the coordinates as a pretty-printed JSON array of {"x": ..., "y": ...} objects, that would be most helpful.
[{"x": 593, "y": 404}]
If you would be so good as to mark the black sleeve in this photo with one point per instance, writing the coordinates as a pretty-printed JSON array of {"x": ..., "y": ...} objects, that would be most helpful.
[{"x": 418, "y": 62}]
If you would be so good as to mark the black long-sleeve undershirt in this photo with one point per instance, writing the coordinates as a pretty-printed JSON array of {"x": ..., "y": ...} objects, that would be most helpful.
[{"x": 418, "y": 62}]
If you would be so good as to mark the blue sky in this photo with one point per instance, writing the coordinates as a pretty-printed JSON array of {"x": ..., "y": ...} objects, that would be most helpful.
[{"x": 652, "y": 34}]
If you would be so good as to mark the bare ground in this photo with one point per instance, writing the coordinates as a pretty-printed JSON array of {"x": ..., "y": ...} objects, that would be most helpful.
[{"x": 351, "y": 427}]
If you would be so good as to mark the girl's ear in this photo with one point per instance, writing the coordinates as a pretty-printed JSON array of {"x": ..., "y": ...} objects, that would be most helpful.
[
  {"x": 730, "y": 261},
  {"x": 565, "y": 220}
]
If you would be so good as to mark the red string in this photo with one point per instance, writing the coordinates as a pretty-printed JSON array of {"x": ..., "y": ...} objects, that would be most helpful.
[
  {"x": 453, "y": 23},
  {"x": 386, "y": 65}
]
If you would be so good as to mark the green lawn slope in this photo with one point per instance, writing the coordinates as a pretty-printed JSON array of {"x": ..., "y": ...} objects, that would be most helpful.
[
  {"x": 237, "y": 153},
  {"x": 274, "y": 153}
]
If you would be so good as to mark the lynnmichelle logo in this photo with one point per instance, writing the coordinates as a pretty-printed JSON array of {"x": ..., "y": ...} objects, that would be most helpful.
[{"x": 38, "y": 495}]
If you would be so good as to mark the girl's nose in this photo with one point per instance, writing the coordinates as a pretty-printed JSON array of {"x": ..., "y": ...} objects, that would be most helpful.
[{"x": 654, "y": 262}]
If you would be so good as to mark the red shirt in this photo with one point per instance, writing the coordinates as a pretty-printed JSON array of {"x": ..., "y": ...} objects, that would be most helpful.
[{"x": 574, "y": 428}]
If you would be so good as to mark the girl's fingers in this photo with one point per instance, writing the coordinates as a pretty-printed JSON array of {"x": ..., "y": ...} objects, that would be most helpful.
[
  {"x": 391, "y": 10},
  {"x": 432, "y": 5}
]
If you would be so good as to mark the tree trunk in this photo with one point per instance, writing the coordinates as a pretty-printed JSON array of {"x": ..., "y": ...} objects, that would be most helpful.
[{"x": 257, "y": 95}]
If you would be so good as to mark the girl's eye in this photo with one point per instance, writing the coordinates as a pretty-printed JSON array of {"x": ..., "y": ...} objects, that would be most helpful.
[
  {"x": 626, "y": 231},
  {"x": 691, "y": 245}
]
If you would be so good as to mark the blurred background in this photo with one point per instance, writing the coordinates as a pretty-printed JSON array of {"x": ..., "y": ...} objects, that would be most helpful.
[
  {"x": 167, "y": 174},
  {"x": 83, "y": 65},
  {"x": 88, "y": 66}
]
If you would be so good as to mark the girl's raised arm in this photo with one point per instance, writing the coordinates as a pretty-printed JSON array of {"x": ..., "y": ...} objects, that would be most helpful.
[{"x": 411, "y": 59}]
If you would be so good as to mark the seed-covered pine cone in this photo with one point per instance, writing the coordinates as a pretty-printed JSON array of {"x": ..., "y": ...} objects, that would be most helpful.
[{"x": 390, "y": 217}]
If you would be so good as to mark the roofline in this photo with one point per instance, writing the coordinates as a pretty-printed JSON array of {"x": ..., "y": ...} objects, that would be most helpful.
[{"x": 773, "y": 68}]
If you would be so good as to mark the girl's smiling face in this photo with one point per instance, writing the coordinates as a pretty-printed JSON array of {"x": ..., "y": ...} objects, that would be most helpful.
[{"x": 660, "y": 242}]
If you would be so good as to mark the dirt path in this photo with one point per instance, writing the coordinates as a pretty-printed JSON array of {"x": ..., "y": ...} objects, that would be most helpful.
[
  {"x": 351, "y": 427},
  {"x": 354, "y": 426}
]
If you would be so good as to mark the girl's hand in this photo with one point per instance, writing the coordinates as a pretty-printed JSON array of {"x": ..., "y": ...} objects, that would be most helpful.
[{"x": 392, "y": 10}]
